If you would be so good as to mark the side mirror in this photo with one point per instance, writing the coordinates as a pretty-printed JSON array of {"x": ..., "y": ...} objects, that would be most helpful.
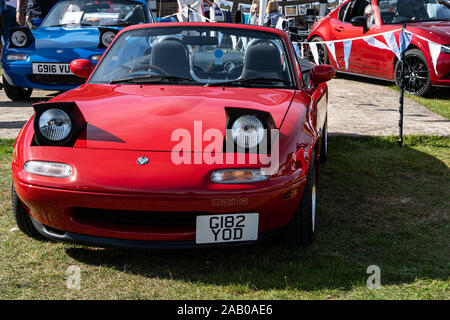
[
  {"x": 322, "y": 73},
  {"x": 82, "y": 68},
  {"x": 359, "y": 21},
  {"x": 36, "y": 22}
]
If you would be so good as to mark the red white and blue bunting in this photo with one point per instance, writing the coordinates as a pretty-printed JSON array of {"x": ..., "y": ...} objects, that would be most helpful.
[{"x": 405, "y": 38}]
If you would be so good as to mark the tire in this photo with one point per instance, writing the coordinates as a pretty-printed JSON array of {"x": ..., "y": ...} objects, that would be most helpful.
[
  {"x": 322, "y": 50},
  {"x": 417, "y": 73},
  {"x": 324, "y": 143},
  {"x": 16, "y": 93},
  {"x": 302, "y": 228},
  {"x": 23, "y": 220}
]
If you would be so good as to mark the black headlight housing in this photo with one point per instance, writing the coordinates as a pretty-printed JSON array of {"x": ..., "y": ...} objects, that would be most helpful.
[
  {"x": 23, "y": 34},
  {"x": 78, "y": 123},
  {"x": 266, "y": 119},
  {"x": 104, "y": 32}
]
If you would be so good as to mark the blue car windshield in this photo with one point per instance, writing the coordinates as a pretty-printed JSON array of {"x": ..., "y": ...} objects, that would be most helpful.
[{"x": 96, "y": 13}]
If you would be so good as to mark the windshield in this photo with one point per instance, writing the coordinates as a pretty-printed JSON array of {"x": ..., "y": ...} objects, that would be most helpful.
[
  {"x": 409, "y": 11},
  {"x": 196, "y": 56},
  {"x": 96, "y": 13}
]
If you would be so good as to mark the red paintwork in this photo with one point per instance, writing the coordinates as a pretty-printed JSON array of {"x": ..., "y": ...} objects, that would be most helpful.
[
  {"x": 322, "y": 73},
  {"x": 82, "y": 68},
  {"x": 129, "y": 121},
  {"x": 370, "y": 61}
]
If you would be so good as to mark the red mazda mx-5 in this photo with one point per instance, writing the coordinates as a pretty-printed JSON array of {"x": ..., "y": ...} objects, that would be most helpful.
[
  {"x": 426, "y": 20},
  {"x": 185, "y": 135}
]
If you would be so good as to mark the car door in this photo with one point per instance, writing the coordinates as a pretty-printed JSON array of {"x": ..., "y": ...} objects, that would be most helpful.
[
  {"x": 385, "y": 10},
  {"x": 363, "y": 58}
]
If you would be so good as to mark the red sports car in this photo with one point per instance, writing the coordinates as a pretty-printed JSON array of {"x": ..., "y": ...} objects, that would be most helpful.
[
  {"x": 185, "y": 135},
  {"x": 427, "y": 20}
]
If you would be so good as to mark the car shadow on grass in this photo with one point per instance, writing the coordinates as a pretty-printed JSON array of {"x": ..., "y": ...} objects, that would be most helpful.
[{"x": 379, "y": 204}]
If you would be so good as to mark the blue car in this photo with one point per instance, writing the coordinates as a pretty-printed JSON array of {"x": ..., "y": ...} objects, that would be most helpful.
[{"x": 74, "y": 29}]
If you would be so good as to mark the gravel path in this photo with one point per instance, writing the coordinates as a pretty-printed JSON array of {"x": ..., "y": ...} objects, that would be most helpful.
[
  {"x": 355, "y": 108},
  {"x": 370, "y": 108}
]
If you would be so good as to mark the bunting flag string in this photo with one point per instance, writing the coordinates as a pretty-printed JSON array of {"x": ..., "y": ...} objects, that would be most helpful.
[
  {"x": 332, "y": 50},
  {"x": 392, "y": 43},
  {"x": 314, "y": 52},
  {"x": 435, "y": 51},
  {"x": 347, "y": 50},
  {"x": 404, "y": 40}
]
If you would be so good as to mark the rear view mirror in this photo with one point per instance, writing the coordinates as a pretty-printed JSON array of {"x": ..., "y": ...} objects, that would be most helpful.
[
  {"x": 359, "y": 21},
  {"x": 322, "y": 73},
  {"x": 82, "y": 68}
]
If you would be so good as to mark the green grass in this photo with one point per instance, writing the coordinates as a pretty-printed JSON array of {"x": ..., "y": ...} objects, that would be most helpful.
[
  {"x": 438, "y": 101},
  {"x": 379, "y": 204}
]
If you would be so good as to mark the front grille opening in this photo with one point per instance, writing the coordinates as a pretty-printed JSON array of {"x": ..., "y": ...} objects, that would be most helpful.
[
  {"x": 136, "y": 218},
  {"x": 57, "y": 79}
]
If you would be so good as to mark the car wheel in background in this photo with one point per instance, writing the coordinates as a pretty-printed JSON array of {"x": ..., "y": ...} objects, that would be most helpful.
[
  {"x": 23, "y": 220},
  {"x": 324, "y": 142},
  {"x": 321, "y": 50},
  {"x": 302, "y": 228},
  {"x": 417, "y": 73},
  {"x": 16, "y": 93}
]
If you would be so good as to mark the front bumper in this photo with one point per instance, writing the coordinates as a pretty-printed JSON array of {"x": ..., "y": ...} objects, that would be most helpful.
[
  {"x": 20, "y": 73},
  {"x": 55, "y": 214},
  {"x": 140, "y": 244}
]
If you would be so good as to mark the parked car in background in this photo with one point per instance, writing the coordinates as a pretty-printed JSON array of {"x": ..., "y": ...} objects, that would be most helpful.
[
  {"x": 204, "y": 134},
  {"x": 428, "y": 19},
  {"x": 74, "y": 29}
]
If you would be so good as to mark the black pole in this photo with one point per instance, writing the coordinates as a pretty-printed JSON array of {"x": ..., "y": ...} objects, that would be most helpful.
[{"x": 402, "y": 93}]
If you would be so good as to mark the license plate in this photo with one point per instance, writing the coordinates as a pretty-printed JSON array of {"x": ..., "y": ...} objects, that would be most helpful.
[
  {"x": 51, "y": 68},
  {"x": 227, "y": 228}
]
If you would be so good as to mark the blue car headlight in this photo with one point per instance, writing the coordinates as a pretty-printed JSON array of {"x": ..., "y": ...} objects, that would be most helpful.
[{"x": 19, "y": 38}]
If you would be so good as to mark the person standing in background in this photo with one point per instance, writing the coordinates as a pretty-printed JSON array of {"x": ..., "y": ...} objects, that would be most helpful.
[
  {"x": 272, "y": 14},
  {"x": 42, "y": 6},
  {"x": 9, "y": 19},
  {"x": 254, "y": 12},
  {"x": 207, "y": 5}
]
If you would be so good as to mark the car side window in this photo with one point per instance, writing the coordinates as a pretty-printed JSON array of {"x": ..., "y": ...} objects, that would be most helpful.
[
  {"x": 353, "y": 9},
  {"x": 343, "y": 11},
  {"x": 388, "y": 8}
]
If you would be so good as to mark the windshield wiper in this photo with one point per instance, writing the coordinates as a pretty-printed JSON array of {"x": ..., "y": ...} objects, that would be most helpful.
[
  {"x": 247, "y": 80},
  {"x": 149, "y": 79}
]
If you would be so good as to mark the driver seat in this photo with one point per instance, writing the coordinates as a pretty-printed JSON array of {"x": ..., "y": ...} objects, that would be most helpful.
[
  {"x": 263, "y": 60},
  {"x": 171, "y": 56}
]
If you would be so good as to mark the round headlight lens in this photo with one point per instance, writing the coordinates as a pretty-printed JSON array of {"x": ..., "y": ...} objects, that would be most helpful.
[
  {"x": 19, "y": 38},
  {"x": 248, "y": 132},
  {"x": 55, "y": 125},
  {"x": 107, "y": 38}
]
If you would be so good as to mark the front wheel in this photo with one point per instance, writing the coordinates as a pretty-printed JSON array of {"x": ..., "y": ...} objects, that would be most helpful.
[
  {"x": 16, "y": 93},
  {"x": 23, "y": 220},
  {"x": 416, "y": 73},
  {"x": 302, "y": 228}
]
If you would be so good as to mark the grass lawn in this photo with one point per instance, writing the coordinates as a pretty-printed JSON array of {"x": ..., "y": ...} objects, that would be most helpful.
[{"x": 379, "y": 204}]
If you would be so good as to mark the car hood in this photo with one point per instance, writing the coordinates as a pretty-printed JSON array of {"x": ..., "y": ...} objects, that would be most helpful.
[
  {"x": 437, "y": 31},
  {"x": 66, "y": 37},
  {"x": 133, "y": 117}
]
